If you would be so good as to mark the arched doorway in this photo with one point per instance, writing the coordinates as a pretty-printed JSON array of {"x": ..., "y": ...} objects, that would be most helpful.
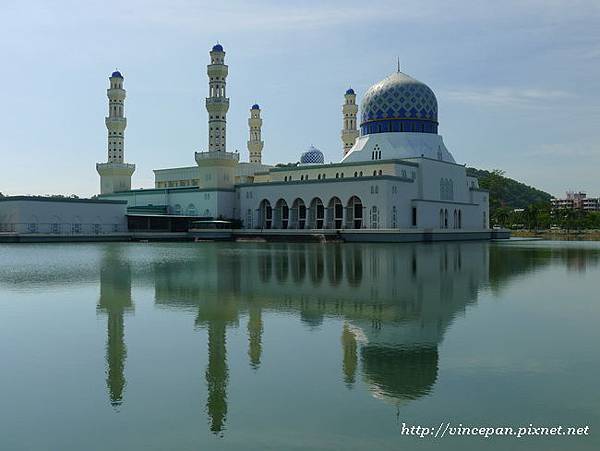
[
  {"x": 335, "y": 213},
  {"x": 282, "y": 214},
  {"x": 316, "y": 214},
  {"x": 354, "y": 213},
  {"x": 265, "y": 214},
  {"x": 298, "y": 219}
]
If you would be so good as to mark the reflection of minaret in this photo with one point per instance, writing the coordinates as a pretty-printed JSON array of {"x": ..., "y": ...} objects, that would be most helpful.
[
  {"x": 216, "y": 315},
  {"x": 255, "y": 329},
  {"x": 115, "y": 301},
  {"x": 350, "y": 356},
  {"x": 217, "y": 375}
]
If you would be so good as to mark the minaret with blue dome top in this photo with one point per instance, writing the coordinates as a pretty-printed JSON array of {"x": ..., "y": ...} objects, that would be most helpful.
[
  {"x": 349, "y": 111},
  {"x": 217, "y": 102},
  {"x": 216, "y": 167},
  {"x": 115, "y": 174},
  {"x": 255, "y": 143}
]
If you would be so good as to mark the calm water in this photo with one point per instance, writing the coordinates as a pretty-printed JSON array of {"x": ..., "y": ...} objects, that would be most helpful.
[{"x": 212, "y": 346}]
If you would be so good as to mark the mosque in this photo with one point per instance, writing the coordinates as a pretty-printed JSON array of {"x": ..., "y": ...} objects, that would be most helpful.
[{"x": 395, "y": 173}]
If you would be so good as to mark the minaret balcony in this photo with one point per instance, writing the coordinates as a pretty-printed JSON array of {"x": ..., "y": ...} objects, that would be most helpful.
[
  {"x": 116, "y": 94},
  {"x": 217, "y": 155},
  {"x": 116, "y": 123},
  {"x": 217, "y": 100}
]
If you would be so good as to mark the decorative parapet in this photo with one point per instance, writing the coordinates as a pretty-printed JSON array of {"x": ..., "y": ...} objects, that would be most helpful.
[
  {"x": 123, "y": 168},
  {"x": 229, "y": 156}
]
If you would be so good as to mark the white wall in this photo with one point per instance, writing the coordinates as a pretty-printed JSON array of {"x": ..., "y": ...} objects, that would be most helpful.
[{"x": 65, "y": 217}]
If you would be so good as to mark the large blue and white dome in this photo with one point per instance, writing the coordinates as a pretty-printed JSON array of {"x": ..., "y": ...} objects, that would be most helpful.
[
  {"x": 312, "y": 156},
  {"x": 399, "y": 103}
]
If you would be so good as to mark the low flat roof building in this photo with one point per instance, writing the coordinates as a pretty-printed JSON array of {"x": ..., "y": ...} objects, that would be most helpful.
[{"x": 61, "y": 216}]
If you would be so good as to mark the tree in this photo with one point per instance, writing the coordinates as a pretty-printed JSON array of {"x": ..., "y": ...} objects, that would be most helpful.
[{"x": 502, "y": 216}]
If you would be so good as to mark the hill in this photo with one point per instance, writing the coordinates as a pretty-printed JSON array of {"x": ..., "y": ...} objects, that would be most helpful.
[{"x": 507, "y": 192}]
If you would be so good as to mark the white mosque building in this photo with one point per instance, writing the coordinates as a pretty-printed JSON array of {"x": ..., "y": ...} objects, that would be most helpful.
[{"x": 395, "y": 173}]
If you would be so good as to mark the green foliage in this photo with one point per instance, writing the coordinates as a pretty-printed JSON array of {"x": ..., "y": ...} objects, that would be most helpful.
[{"x": 506, "y": 192}]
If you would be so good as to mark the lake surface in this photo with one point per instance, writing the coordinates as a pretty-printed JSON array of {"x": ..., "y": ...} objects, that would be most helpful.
[{"x": 254, "y": 346}]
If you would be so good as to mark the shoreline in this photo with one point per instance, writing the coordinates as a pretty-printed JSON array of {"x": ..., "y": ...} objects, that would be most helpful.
[{"x": 559, "y": 235}]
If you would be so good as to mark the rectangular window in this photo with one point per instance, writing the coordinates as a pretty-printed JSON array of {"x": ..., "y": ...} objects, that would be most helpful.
[{"x": 414, "y": 216}]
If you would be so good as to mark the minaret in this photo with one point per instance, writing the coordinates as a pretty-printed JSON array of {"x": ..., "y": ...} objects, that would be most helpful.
[
  {"x": 217, "y": 103},
  {"x": 216, "y": 168},
  {"x": 349, "y": 131},
  {"x": 255, "y": 145},
  {"x": 115, "y": 175}
]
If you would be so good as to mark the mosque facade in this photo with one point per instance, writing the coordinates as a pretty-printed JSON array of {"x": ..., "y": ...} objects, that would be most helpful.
[{"x": 394, "y": 171}]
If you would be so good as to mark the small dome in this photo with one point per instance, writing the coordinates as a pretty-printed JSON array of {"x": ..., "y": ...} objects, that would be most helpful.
[
  {"x": 350, "y": 91},
  {"x": 255, "y": 106},
  {"x": 312, "y": 156},
  {"x": 217, "y": 48},
  {"x": 116, "y": 74}
]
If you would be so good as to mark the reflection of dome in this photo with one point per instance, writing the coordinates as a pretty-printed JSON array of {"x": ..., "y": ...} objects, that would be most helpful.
[
  {"x": 312, "y": 156},
  {"x": 116, "y": 74},
  {"x": 399, "y": 103},
  {"x": 255, "y": 106},
  {"x": 312, "y": 319},
  {"x": 217, "y": 48},
  {"x": 399, "y": 374}
]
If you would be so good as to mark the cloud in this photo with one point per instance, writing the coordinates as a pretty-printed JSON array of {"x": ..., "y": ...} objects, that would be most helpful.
[{"x": 509, "y": 97}]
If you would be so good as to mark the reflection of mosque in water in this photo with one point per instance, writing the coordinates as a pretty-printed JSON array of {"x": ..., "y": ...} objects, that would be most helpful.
[{"x": 396, "y": 302}]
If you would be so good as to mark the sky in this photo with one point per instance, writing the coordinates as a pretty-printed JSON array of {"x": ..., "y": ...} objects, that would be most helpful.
[{"x": 517, "y": 82}]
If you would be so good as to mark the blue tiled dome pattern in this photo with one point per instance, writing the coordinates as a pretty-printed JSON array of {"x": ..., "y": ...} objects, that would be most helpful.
[
  {"x": 116, "y": 74},
  {"x": 312, "y": 156},
  {"x": 399, "y": 96}
]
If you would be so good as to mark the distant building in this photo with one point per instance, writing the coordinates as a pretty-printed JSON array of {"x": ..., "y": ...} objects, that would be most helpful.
[{"x": 576, "y": 201}]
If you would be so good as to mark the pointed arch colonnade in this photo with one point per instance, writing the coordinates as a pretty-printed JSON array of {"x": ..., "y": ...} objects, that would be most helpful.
[{"x": 314, "y": 214}]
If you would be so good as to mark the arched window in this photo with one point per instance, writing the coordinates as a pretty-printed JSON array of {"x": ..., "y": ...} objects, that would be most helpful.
[
  {"x": 441, "y": 218},
  {"x": 445, "y": 218},
  {"x": 374, "y": 217},
  {"x": 455, "y": 223},
  {"x": 249, "y": 218},
  {"x": 394, "y": 219},
  {"x": 460, "y": 219}
]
